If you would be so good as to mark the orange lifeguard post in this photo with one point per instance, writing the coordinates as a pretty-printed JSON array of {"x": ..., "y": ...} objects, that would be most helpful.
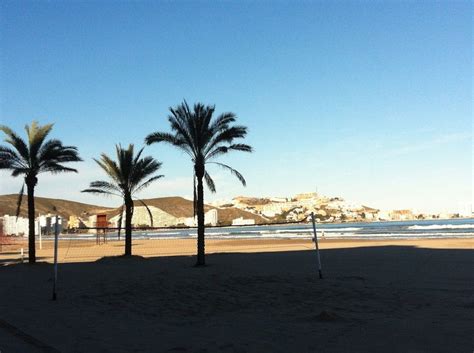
[{"x": 101, "y": 225}]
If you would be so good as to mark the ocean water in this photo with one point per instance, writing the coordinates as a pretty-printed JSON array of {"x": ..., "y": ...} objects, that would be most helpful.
[
  {"x": 450, "y": 228},
  {"x": 428, "y": 229}
]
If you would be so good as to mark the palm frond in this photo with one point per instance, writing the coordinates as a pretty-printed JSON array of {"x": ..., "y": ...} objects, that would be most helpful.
[
  {"x": 222, "y": 121},
  {"x": 226, "y": 136},
  {"x": 19, "y": 171},
  {"x": 129, "y": 174},
  {"x": 36, "y": 136},
  {"x": 53, "y": 150},
  {"x": 97, "y": 191},
  {"x": 105, "y": 185},
  {"x": 143, "y": 169},
  {"x": 241, "y": 147},
  {"x": 16, "y": 141},
  {"x": 170, "y": 139},
  {"x": 147, "y": 183},
  {"x": 210, "y": 182},
  {"x": 9, "y": 159},
  {"x": 110, "y": 167},
  {"x": 149, "y": 211},
  {"x": 55, "y": 168},
  {"x": 233, "y": 171},
  {"x": 20, "y": 199},
  {"x": 120, "y": 222}
]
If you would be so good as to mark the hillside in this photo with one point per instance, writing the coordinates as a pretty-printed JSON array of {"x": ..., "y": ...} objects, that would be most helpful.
[
  {"x": 44, "y": 205},
  {"x": 175, "y": 206},
  {"x": 226, "y": 215},
  {"x": 180, "y": 207}
]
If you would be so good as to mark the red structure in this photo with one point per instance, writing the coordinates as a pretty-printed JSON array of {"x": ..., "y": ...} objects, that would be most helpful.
[
  {"x": 102, "y": 221},
  {"x": 101, "y": 224}
]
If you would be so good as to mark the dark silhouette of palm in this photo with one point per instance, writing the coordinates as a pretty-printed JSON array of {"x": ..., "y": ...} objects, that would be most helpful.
[
  {"x": 128, "y": 175},
  {"x": 203, "y": 139},
  {"x": 31, "y": 158}
]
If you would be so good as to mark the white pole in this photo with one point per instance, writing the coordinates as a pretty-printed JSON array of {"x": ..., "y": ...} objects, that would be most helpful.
[
  {"x": 40, "y": 237},
  {"x": 22, "y": 255},
  {"x": 55, "y": 279},
  {"x": 317, "y": 247}
]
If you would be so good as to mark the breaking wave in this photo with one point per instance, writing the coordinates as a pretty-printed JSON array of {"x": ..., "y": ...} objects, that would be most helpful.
[{"x": 442, "y": 226}]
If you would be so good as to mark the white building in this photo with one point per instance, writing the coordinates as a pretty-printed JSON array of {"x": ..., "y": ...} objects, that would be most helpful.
[
  {"x": 210, "y": 218},
  {"x": 48, "y": 223},
  {"x": 242, "y": 222},
  {"x": 14, "y": 226}
]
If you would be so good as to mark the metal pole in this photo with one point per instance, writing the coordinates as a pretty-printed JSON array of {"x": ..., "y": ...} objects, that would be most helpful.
[
  {"x": 39, "y": 231},
  {"x": 55, "y": 278},
  {"x": 317, "y": 247}
]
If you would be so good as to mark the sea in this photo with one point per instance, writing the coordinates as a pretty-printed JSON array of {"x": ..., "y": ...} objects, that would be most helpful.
[{"x": 419, "y": 229}]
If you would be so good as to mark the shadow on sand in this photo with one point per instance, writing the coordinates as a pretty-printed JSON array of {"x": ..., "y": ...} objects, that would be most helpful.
[{"x": 388, "y": 298}]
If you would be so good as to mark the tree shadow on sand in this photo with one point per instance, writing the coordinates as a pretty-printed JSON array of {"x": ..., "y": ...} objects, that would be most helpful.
[{"x": 397, "y": 298}]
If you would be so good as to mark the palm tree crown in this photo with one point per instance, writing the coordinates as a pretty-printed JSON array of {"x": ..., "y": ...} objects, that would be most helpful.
[
  {"x": 36, "y": 155},
  {"x": 128, "y": 175},
  {"x": 202, "y": 138}
]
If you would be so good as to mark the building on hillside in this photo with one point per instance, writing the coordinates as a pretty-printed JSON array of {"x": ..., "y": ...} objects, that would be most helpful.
[
  {"x": 242, "y": 222},
  {"x": 141, "y": 217},
  {"x": 369, "y": 213},
  {"x": 401, "y": 215},
  {"x": 268, "y": 213},
  {"x": 274, "y": 208},
  {"x": 306, "y": 195},
  {"x": 210, "y": 219},
  {"x": 278, "y": 199},
  {"x": 383, "y": 215},
  {"x": 75, "y": 222},
  {"x": 47, "y": 223},
  {"x": 20, "y": 226}
]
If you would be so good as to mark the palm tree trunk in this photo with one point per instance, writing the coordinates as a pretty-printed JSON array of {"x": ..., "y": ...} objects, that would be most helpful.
[
  {"x": 128, "y": 227},
  {"x": 200, "y": 218},
  {"x": 31, "y": 222}
]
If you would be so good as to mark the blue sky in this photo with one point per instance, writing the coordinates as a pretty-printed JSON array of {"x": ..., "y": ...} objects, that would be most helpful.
[{"x": 371, "y": 101}]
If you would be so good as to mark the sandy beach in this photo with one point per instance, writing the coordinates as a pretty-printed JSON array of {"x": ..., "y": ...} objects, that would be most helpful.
[{"x": 255, "y": 295}]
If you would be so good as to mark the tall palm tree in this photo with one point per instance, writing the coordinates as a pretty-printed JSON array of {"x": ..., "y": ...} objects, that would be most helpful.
[
  {"x": 203, "y": 139},
  {"x": 31, "y": 158},
  {"x": 128, "y": 175}
]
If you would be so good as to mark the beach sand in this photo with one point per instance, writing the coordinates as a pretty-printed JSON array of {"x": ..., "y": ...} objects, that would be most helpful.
[{"x": 263, "y": 295}]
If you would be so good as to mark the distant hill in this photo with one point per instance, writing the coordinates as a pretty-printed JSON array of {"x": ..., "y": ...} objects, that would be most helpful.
[
  {"x": 175, "y": 206},
  {"x": 226, "y": 215},
  {"x": 180, "y": 207},
  {"x": 44, "y": 205}
]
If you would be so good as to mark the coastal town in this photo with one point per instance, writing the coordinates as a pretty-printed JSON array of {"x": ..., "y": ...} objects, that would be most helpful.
[{"x": 178, "y": 212}]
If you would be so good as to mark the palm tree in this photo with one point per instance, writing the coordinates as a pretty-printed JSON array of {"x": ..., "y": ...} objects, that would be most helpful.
[
  {"x": 30, "y": 159},
  {"x": 203, "y": 139},
  {"x": 128, "y": 175}
]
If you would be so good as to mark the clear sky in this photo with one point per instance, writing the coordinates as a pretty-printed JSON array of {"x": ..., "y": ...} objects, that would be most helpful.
[{"x": 371, "y": 101}]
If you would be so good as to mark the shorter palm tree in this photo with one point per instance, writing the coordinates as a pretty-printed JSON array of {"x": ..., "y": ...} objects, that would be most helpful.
[
  {"x": 128, "y": 175},
  {"x": 36, "y": 155}
]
